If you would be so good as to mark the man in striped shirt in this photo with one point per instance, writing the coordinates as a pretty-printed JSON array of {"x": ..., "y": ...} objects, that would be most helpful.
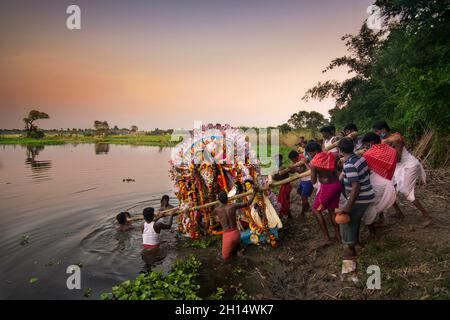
[{"x": 358, "y": 192}]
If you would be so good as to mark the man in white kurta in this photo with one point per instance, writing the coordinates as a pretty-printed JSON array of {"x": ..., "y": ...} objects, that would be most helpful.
[{"x": 408, "y": 171}]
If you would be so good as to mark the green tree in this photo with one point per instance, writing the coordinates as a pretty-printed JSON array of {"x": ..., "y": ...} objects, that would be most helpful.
[
  {"x": 101, "y": 128},
  {"x": 285, "y": 127},
  {"x": 400, "y": 74},
  {"x": 307, "y": 120},
  {"x": 362, "y": 48},
  {"x": 30, "y": 128}
]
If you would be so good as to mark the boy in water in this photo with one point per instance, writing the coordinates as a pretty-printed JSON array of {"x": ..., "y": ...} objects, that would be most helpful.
[
  {"x": 151, "y": 229},
  {"x": 226, "y": 212},
  {"x": 165, "y": 206},
  {"x": 124, "y": 224},
  {"x": 324, "y": 169},
  {"x": 165, "y": 203}
]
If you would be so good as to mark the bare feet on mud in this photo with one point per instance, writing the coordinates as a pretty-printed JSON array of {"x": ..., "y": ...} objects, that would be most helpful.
[
  {"x": 349, "y": 254},
  {"x": 398, "y": 215},
  {"x": 426, "y": 222},
  {"x": 325, "y": 243}
]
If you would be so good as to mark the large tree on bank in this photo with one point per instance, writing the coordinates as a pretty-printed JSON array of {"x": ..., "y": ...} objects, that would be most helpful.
[
  {"x": 400, "y": 73},
  {"x": 33, "y": 115}
]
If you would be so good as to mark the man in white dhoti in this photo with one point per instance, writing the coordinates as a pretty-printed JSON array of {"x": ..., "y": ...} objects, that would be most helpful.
[
  {"x": 382, "y": 160},
  {"x": 408, "y": 169}
]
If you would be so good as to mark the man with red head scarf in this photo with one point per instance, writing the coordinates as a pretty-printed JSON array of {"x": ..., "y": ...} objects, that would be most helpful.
[{"x": 324, "y": 169}]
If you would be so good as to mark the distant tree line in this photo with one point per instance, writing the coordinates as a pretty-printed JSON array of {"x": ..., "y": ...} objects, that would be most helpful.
[
  {"x": 312, "y": 121},
  {"x": 100, "y": 128}
]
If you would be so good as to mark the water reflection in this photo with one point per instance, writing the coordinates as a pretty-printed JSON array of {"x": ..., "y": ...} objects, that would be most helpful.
[
  {"x": 40, "y": 168},
  {"x": 101, "y": 148},
  {"x": 71, "y": 217}
]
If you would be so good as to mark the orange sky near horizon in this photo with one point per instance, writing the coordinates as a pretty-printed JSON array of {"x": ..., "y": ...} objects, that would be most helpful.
[{"x": 167, "y": 65}]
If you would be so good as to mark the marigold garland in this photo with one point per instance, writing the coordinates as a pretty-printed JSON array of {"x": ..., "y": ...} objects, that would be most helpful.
[{"x": 197, "y": 179}]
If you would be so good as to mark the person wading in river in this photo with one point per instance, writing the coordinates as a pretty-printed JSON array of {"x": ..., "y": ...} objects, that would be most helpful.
[
  {"x": 124, "y": 223},
  {"x": 165, "y": 206},
  {"x": 165, "y": 203},
  {"x": 226, "y": 212},
  {"x": 151, "y": 229}
]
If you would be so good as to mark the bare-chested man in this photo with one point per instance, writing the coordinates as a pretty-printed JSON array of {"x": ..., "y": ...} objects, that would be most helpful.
[
  {"x": 165, "y": 206},
  {"x": 165, "y": 203},
  {"x": 226, "y": 212},
  {"x": 324, "y": 169}
]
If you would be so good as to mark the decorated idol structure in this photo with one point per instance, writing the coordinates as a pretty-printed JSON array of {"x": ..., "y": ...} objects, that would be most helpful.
[{"x": 214, "y": 158}]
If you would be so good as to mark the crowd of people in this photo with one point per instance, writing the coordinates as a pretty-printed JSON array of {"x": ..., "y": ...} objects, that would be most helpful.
[{"x": 355, "y": 180}]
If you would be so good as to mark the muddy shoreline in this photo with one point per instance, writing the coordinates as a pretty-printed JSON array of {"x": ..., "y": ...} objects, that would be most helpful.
[{"x": 414, "y": 261}]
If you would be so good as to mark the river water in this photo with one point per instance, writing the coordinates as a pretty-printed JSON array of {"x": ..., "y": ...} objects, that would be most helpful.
[{"x": 57, "y": 208}]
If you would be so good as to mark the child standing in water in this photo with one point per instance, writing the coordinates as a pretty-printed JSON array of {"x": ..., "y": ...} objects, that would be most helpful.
[
  {"x": 165, "y": 203},
  {"x": 151, "y": 229},
  {"x": 165, "y": 206},
  {"x": 124, "y": 224}
]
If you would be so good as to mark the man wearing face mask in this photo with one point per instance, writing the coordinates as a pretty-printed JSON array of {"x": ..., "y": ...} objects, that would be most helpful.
[{"x": 408, "y": 169}]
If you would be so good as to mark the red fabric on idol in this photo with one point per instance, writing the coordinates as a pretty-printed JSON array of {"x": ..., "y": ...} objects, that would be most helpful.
[
  {"x": 324, "y": 160},
  {"x": 381, "y": 159}
]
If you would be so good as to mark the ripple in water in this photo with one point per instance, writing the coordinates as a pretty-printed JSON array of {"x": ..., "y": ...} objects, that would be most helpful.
[{"x": 122, "y": 251}]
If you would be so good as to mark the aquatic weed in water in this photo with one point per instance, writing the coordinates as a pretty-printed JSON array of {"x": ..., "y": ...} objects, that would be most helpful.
[{"x": 178, "y": 284}]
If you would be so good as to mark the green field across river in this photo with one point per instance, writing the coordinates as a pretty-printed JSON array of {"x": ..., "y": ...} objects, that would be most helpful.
[{"x": 49, "y": 139}]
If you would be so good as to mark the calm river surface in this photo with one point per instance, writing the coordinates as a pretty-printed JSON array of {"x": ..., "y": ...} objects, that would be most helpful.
[{"x": 64, "y": 199}]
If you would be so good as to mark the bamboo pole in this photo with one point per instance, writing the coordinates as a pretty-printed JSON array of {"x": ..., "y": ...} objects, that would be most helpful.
[
  {"x": 352, "y": 136},
  {"x": 294, "y": 177},
  {"x": 175, "y": 211}
]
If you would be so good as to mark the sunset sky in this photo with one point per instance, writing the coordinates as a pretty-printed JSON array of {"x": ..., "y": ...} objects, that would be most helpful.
[{"x": 167, "y": 63}]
